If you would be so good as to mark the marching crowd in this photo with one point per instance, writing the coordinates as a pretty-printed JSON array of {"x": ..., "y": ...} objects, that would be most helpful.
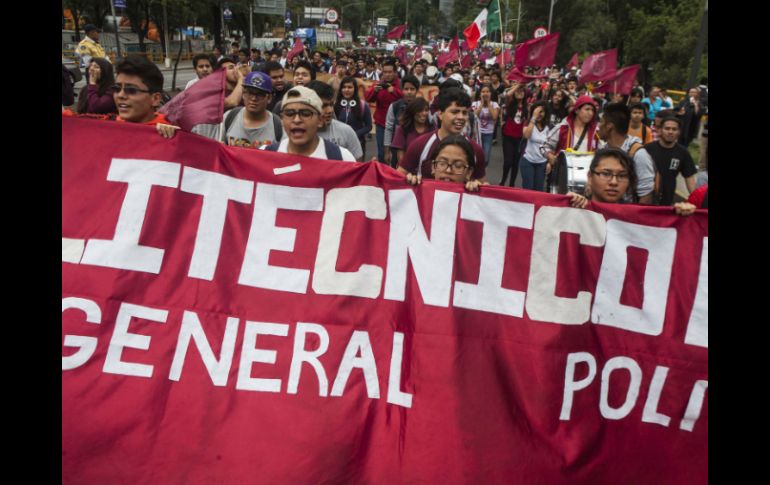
[{"x": 639, "y": 141}]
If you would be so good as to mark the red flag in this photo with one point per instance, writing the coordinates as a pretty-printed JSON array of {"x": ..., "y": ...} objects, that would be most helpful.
[
  {"x": 515, "y": 75},
  {"x": 600, "y": 66},
  {"x": 202, "y": 103},
  {"x": 445, "y": 57},
  {"x": 484, "y": 55},
  {"x": 533, "y": 56},
  {"x": 418, "y": 53},
  {"x": 451, "y": 55},
  {"x": 297, "y": 49},
  {"x": 400, "y": 53},
  {"x": 504, "y": 58},
  {"x": 466, "y": 61},
  {"x": 573, "y": 62},
  {"x": 371, "y": 40},
  {"x": 454, "y": 44},
  {"x": 622, "y": 83},
  {"x": 397, "y": 32},
  {"x": 465, "y": 46}
]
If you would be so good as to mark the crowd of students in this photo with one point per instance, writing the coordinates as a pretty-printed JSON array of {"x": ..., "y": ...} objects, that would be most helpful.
[{"x": 474, "y": 108}]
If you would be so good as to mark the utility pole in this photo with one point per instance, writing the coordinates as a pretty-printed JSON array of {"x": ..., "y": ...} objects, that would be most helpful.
[
  {"x": 251, "y": 25},
  {"x": 553, "y": 2},
  {"x": 165, "y": 35},
  {"x": 518, "y": 21},
  {"x": 699, "y": 47},
  {"x": 115, "y": 23}
]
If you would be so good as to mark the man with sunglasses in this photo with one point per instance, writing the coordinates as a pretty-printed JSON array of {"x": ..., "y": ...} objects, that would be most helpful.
[
  {"x": 252, "y": 125},
  {"x": 137, "y": 91},
  {"x": 301, "y": 114}
]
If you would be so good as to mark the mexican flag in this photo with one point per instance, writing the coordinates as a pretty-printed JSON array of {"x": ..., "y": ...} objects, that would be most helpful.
[{"x": 488, "y": 20}]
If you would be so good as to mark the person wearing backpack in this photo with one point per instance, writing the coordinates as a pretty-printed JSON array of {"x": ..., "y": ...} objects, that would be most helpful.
[
  {"x": 252, "y": 125},
  {"x": 301, "y": 110},
  {"x": 613, "y": 129},
  {"x": 636, "y": 126}
]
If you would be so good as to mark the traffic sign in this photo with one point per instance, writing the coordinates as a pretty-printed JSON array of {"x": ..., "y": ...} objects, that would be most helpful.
[
  {"x": 119, "y": 3},
  {"x": 227, "y": 14},
  {"x": 332, "y": 16},
  {"x": 540, "y": 32}
]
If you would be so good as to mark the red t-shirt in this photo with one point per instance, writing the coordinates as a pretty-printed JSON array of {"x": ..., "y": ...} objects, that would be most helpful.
[
  {"x": 417, "y": 148},
  {"x": 159, "y": 118}
]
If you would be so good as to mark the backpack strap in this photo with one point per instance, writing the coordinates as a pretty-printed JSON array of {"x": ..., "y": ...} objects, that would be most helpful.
[
  {"x": 333, "y": 151},
  {"x": 273, "y": 147},
  {"x": 229, "y": 117},
  {"x": 277, "y": 127},
  {"x": 634, "y": 148},
  {"x": 644, "y": 132}
]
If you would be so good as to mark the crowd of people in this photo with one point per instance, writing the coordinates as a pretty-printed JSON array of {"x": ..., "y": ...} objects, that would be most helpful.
[{"x": 326, "y": 106}]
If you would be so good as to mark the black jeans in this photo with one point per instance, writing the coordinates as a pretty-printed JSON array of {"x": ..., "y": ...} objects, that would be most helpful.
[{"x": 511, "y": 156}]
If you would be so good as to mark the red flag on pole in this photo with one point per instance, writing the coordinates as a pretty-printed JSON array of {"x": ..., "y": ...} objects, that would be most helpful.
[
  {"x": 466, "y": 61},
  {"x": 533, "y": 56},
  {"x": 600, "y": 66},
  {"x": 621, "y": 83},
  {"x": 504, "y": 58},
  {"x": 397, "y": 32},
  {"x": 573, "y": 62},
  {"x": 445, "y": 57},
  {"x": 202, "y": 103},
  {"x": 418, "y": 53},
  {"x": 454, "y": 44},
  {"x": 297, "y": 49}
]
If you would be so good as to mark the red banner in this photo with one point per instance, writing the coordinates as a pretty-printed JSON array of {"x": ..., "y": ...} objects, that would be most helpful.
[{"x": 238, "y": 316}]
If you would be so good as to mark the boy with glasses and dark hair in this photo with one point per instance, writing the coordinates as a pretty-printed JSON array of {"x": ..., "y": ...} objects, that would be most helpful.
[
  {"x": 252, "y": 125},
  {"x": 301, "y": 116}
]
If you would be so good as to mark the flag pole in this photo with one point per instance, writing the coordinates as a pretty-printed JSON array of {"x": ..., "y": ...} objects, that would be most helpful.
[{"x": 500, "y": 19}]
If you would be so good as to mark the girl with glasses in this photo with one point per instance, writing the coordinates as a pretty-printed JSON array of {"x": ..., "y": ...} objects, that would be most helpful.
[{"x": 611, "y": 175}]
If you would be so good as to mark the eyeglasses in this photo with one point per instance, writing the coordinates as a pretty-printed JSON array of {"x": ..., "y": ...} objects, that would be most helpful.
[
  {"x": 129, "y": 89},
  {"x": 457, "y": 166},
  {"x": 255, "y": 93},
  {"x": 305, "y": 114},
  {"x": 607, "y": 176}
]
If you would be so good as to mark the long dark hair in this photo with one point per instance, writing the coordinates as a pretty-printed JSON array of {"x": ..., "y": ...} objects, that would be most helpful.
[
  {"x": 513, "y": 105},
  {"x": 410, "y": 111},
  {"x": 627, "y": 163},
  {"x": 106, "y": 80},
  {"x": 546, "y": 112},
  {"x": 356, "y": 111}
]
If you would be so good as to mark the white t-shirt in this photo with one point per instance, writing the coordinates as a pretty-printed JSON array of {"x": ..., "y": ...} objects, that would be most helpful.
[
  {"x": 535, "y": 141},
  {"x": 320, "y": 151},
  {"x": 486, "y": 122},
  {"x": 191, "y": 82}
]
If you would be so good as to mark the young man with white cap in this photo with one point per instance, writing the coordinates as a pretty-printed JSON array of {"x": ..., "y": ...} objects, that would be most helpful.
[
  {"x": 252, "y": 125},
  {"x": 301, "y": 110}
]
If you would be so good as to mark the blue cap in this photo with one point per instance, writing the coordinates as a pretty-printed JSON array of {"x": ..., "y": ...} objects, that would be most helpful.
[{"x": 258, "y": 80}]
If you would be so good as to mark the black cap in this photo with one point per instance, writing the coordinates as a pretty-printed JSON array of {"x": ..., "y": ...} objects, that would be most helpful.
[{"x": 90, "y": 27}]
